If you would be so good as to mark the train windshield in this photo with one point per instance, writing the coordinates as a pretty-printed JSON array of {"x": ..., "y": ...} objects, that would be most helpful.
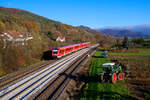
[{"x": 55, "y": 51}]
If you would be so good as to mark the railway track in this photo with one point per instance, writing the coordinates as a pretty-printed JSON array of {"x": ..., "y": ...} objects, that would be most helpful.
[
  {"x": 28, "y": 87},
  {"x": 57, "y": 87}
]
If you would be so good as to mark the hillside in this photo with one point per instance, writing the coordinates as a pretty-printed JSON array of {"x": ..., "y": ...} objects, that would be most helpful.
[
  {"x": 25, "y": 37},
  {"x": 24, "y": 21},
  {"x": 93, "y": 31},
  {"x": 105, "y": 40}
]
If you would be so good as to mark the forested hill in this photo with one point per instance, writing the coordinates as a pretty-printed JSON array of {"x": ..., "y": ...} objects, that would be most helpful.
[
  {"x": 24, "y": 21},
  {"x": 26, "y": 37},
  {"x": 15, "y": 18}
]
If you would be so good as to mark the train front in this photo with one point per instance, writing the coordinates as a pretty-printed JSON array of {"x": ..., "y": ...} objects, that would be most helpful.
[{"x": 55, "y": 52}]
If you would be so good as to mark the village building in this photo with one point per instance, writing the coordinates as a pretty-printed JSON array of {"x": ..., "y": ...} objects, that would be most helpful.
[
  {"x": 61, "y": 39},
  {"x": 14, "y": 37}
]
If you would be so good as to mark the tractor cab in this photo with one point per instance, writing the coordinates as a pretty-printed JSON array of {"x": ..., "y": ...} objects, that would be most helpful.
[
  {"x": 111, "y": 72},
  {"x": 107, "y": 67}
]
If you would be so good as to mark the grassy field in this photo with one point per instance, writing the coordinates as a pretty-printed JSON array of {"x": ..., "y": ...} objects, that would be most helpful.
[
  {"x": 146, "y": 39},
  {"x": 141, "y": 52},
  {"x": 95, "y": 90},
  {"x": 139, "y": 62}
]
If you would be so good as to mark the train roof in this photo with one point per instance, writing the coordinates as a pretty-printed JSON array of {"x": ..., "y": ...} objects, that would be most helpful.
[
  {"x": 68, "y": 45},
  {"x": 109, "y": 64}
]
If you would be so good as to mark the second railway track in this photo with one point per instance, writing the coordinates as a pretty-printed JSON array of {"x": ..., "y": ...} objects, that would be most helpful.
[{"x": 13, "y": 77}]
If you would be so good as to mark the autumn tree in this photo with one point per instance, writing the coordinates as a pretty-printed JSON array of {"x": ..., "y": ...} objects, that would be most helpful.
[
  {"x": 2, "y": 27},
  {"x": 100, "y": 39},
  {"x": 138, "y": 40},
  {"x": 117, "y": 43},
  {"x": 125, "y": 42}
]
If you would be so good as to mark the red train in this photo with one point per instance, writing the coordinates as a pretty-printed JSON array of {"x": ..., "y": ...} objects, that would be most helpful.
[{"x": 62, "y": 51}]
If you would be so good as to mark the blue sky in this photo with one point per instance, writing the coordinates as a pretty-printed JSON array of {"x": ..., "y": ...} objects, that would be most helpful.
[{"x": 92, "y": 13}]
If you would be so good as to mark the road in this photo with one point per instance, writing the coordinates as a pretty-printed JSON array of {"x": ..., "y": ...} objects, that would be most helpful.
[{"x": 25, "y": 88}]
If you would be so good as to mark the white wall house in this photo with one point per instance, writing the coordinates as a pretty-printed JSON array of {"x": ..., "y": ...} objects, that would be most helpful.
[
  {"x": 61, "y": 39},
  {"x": 14, "y": 37}
]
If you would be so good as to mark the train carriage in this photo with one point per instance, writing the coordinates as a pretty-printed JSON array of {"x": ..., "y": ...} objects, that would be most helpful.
[{"x": 58, "y": 52}]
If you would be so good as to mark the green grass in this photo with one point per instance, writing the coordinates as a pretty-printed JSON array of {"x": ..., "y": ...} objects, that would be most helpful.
[
  {"x": 142, "y": 52},
  {"x": 146, "y": 39},
  {"x": 95, "y": 90}
]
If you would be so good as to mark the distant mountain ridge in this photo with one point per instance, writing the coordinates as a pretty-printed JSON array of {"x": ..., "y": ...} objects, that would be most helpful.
[
  {"x": 94, "y": 31},
  {"x": 130, "y": 31}
]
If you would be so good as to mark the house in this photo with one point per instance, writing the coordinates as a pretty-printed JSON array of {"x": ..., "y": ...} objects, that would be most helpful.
[
  {"x": 14, "y": 37},
  {"x": 61, "y": 39}
]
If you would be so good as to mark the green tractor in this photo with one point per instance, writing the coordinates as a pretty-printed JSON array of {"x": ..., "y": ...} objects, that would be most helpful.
[{"x": 111, "y": 73}]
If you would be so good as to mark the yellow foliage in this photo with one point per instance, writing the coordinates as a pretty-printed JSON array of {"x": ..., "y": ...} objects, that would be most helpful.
[
  {"x": 2, "y": 72},
  {"x": 2, "y": 27}
]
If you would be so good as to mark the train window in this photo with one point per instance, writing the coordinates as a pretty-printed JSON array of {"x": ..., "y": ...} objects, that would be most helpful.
[
  {"x": 61, "y": 51},
  {"x": 68, "y": 49},
  {"x": 76, "y": 47}
]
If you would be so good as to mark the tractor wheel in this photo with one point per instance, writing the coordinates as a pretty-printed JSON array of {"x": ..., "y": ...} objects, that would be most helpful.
[
  {"x": 114, "y": 78},
  {"x": 121, "y": 76}
]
